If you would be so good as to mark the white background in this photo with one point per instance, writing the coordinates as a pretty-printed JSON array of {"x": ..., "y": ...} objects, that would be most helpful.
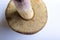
[{"x": 51, "y": 31}]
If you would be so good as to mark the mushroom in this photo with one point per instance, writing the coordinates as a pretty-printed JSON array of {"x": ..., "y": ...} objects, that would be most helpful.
[
  {"x": 18, "y": 9},
  {"x": 24, "y": 8}
]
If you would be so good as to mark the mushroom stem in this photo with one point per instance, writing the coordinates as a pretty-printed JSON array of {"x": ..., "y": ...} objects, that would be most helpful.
[{"x": 24, "y": 8}]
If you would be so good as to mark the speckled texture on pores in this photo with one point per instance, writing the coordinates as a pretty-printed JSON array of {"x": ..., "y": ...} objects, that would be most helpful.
[{"x": 27, "y": 27}]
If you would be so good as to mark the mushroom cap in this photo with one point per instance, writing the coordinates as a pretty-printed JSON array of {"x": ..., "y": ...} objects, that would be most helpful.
[{"x": 18, "y": 24}]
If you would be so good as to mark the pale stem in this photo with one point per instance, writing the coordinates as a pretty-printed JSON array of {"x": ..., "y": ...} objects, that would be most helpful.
[{"x": 24, "y": 8}]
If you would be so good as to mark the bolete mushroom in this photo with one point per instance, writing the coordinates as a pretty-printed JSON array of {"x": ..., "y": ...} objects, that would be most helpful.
[{"x": 19, "y": 12}]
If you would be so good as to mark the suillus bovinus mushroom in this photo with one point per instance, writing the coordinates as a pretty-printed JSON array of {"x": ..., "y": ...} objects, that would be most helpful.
[{"x": 26, "y": 16}]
